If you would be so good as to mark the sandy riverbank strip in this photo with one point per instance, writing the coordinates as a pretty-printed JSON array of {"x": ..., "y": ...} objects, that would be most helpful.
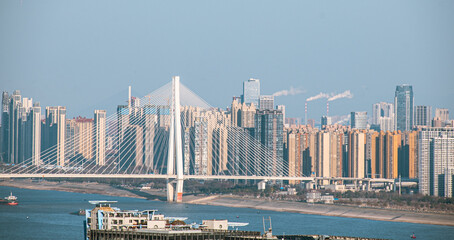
[
  {"x": 242, "y": 202},
  {"x": 329, "y": 210},
  {"x": 78, "y": 187}
]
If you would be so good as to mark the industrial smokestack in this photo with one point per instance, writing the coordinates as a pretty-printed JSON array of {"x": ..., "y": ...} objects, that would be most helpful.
[
  {"x": 327, "y": 108},
  {"x": 305, "y": 113}
]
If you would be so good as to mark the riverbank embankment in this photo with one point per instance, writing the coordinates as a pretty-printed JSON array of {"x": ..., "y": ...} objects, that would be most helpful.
[{"x": 241, "y": 202}]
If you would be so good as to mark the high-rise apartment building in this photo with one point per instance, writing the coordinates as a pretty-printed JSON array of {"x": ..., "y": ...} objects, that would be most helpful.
[
  {"x": 100, "y": 137},
  {"x": 199, "y": 148},
  {"x": 79, "y": 138},
  {"x": 205, "y": 141},
  {"x": 266, "y": 102},
  {"x": 383, "y": 116},
  {"x": 5, "y": 127},
  {"x": 14, "y": 122},
  {"x": 150, "y": 121},
  {"x": 251, "y": 91},
  {"x": 442, "y": 157},
  {"x": 356, "y": 154},
  {"x": 325, "y": 121},
  {"x": 300, "y": 152},
  {"x": 436, "y": 158},
  {"x": 329, "y": 154},
  {"x": 358, "y": 120},
  {"x": 243, "y": 115},
  {"x": 442, "y": 114},
  {"x": 408, "y": 160},
  {"x": 423, "y": 116},
  {"x": 269, "y": 128},
  {"x": 21, "y": 129},
  {"x": 32, "y": 135},
  {"x": 403, "y": 107},
  {"x": 53, "y": 136},
  {"x": 131, "y": 155},
  {"x": 282, "y": 108}
]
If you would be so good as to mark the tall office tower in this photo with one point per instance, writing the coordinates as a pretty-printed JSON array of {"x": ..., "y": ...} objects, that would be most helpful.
[
  {"x": 5, "y": 127},
  {"x": 442, "y": 114},
  {"x": 251, "y": 91},
  {"x": 356, "y": 154},
  {"x": 325, "y": 121},
  {"x": 435, "y": 154},
  {"x": 408, "y": 157},
  {"x": 383, "y": 116},
  {"x": 266, "y": 102},
  {"x": 358, "y": 120},
  {"x": 269, "y": 128},
  {"x": 100, "y": 137},
  {"x": 403, "y": 107},
  {"x": 423, "y": 116},
  {"x": 15, "y": 122},
  {"x": 53, "y": 136}
]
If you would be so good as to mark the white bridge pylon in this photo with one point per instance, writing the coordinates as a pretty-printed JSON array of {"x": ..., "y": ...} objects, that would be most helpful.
[{"x": 175, "y": 154}]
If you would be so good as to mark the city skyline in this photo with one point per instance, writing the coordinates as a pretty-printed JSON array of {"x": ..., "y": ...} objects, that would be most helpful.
[
  {"x": 326, "y": 98},
  {"x": 92, "y": 63}
]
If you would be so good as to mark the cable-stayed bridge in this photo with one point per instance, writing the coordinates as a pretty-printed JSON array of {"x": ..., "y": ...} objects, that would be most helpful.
[{"x": 171, "y": 133}]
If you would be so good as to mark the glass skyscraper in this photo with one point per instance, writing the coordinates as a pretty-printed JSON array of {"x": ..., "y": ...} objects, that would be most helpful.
[
  {"x": 403, "y": 105},
  {"x": 358, "y": 120},
  {"x": 251, "y": 91}
]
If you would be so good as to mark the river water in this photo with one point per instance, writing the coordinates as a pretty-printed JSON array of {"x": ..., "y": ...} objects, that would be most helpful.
[{"x": 46, "y": 215}]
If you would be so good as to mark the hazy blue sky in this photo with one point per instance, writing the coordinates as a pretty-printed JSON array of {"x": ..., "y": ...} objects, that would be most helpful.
[{"x": 84, "y": 54}]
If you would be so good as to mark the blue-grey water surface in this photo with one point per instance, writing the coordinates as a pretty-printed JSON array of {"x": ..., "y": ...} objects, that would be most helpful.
[{"x": 49, "y": 217}]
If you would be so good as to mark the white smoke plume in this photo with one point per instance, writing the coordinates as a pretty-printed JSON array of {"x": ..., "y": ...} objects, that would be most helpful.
[
  {"x": 346, "y": 94},
  {"x": 318, "y": 96},
  {"x": 291, "y": 91}
]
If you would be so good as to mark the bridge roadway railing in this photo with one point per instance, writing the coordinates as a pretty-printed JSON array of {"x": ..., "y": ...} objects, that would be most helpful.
[
  {"x": 187, "y": 177},
  {"x": 152, "y": 176}
]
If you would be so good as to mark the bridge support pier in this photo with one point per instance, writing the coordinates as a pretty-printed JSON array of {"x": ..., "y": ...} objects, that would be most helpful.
[
  {"x": 175, "y": 154},
  {"x": 170, "y": 191}
]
